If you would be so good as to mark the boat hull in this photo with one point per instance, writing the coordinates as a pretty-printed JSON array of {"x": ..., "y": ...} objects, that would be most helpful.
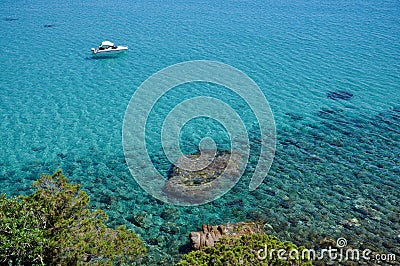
[{"x": 110, "y": 51}]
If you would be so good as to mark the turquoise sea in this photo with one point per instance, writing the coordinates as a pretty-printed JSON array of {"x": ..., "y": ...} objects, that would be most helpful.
[{"x": 337, "y": 158}]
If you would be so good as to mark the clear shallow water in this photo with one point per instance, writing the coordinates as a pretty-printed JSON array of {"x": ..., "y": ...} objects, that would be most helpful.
[{"x": 60, "y": 108}]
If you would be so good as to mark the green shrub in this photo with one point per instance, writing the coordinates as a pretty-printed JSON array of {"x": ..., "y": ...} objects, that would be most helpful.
[
  {"x": 55, "y": 226},
  {"x": 243, "y": 251},
  {"x": 21, "y": 236}
]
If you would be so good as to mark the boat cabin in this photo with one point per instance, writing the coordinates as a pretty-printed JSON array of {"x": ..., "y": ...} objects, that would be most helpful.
[{"x": 107, "y": 45}]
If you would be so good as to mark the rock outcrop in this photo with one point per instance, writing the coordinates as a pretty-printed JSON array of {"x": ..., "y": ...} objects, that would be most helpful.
[{"x": 212, "y": 233}]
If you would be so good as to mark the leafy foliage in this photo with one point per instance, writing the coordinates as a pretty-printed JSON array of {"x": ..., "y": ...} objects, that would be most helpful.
[
  {"x": 243, "y": 251},
  {"x": 21, "y": 238},
  {"x": 55, "y": 226}
]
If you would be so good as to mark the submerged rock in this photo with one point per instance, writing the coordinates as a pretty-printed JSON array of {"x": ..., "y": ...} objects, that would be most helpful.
[
  {"x": 340, "y": 95},
  {"x": 211, "y": 234},
  {"x": 294, "y": 116},
  {"x": 388, "y": 244},
  {"x": 170, "y": 228},
  {"x": 221, "y": 171},
  {"x": 330, "y": 113},
  {"x": 142, "y": 220},
  {"x": 152, "y": 241},
  {"x": 106, "y": 199},
  {"x": 235, "y": 203},
  {"x": 170, "y": 214},
  {"x": 61, "y": 155},
  {"x": 350, "y": 223},
  {"x": 327, "y": 242},
  {"x": 38, "y": 147},
  {"x": 10, "y": 19}
]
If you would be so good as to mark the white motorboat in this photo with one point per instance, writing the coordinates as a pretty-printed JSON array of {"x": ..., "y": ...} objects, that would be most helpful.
[{"x": 108, "y": 48}]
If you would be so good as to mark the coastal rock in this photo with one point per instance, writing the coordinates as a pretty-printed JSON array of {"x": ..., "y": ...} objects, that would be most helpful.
[
  {"x": 221, "y": 170},
  {"x": 350, "y": 223},
  {"x": 340, "y": 95},
  {"x": 211, "y": 234},
  {"x": 327, "y": 242}
]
